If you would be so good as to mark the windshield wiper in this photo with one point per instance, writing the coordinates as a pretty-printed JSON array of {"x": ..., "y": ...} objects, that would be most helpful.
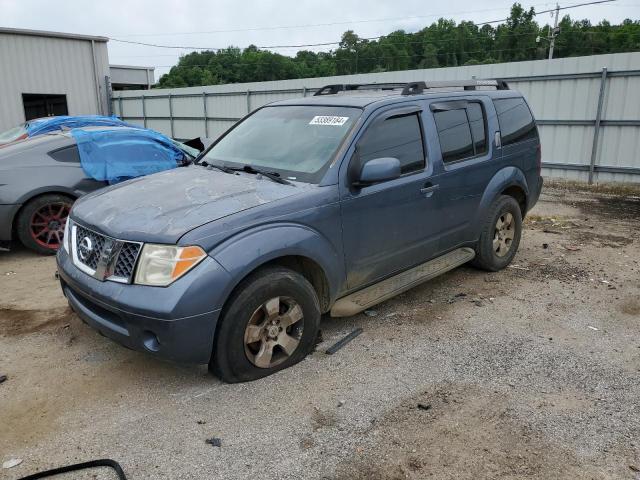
[
  {"x": 222, "y": 168},
  {"x": 275, "y": 176}
]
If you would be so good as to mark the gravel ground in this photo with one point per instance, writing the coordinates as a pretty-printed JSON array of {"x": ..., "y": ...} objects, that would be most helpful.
[{"x": 532, "y": 372}]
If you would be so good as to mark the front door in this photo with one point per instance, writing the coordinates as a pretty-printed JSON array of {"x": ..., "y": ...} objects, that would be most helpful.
[{"x": 390, "y": 226}]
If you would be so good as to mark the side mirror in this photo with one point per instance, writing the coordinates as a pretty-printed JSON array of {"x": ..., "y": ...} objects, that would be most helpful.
[{"x": 378, "y": 170}]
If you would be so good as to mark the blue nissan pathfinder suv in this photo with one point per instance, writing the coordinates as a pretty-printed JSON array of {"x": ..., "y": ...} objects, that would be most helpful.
[{"x": 327, "y": 204}]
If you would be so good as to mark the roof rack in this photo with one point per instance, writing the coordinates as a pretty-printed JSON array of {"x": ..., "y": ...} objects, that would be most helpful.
[{"x": 412, "y": 88}]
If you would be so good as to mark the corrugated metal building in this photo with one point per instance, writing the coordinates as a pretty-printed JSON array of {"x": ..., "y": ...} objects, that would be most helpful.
[
  {"x": 130, "y": 77},
  {"x": 50, "y": 73}
]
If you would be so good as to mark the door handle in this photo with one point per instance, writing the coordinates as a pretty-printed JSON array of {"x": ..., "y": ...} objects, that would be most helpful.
[{"x": 429, "y": 189}]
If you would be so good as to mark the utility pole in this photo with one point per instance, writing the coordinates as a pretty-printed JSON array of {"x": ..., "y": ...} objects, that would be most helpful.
[{"x": 554, "y": 32}]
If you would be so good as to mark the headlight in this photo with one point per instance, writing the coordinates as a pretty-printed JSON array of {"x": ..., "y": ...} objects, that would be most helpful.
[
  {"x": 159, "y": 265},
  {"x": 66, "y": 236}
]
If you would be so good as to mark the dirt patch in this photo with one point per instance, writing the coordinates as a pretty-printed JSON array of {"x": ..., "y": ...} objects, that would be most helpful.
[
  {"x": 14, "y": 322},
  {"x": 560, "y": 269},
  {"x": 464, "y": 431},
  {"x": 631, "y": 307},
  {"x": 613, "y": 207}
]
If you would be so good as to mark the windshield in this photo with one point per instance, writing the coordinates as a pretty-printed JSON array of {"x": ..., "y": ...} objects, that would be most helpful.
[
  {"x": 13, "y": 134},
  {"x": 298, "y": 142}
]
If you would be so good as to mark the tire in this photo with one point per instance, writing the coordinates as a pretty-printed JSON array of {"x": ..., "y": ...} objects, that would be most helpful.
[
  {"x": 252, "y": 324},
  {"x": 40, "y": 223},
  {"x": 490, "y": 249}
]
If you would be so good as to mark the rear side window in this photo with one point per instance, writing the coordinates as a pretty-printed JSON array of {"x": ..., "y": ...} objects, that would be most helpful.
[
  {"x": 399, "y": 137},
  {"x": 461, "y": 131},
  {"x": 516, "y": 121},
  {"x": 66, "y": 154}
]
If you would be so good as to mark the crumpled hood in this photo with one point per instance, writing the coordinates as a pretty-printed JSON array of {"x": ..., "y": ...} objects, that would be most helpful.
[{"x": 163, "y": 207}]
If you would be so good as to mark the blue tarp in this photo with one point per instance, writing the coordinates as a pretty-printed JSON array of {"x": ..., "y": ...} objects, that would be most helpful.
[
  {"x": 52, "y": 124},
  {"x": 119, "y": 154}
]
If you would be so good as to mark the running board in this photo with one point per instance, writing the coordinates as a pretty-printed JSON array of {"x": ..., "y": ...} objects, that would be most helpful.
[{"x": 384, "y": 290}]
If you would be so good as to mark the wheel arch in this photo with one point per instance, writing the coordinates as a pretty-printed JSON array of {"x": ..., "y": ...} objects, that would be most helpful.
[
  {"x": 292, "y": 246},
  {"x": 509, "y": 181},
  {"x": 35, "y": 194}
]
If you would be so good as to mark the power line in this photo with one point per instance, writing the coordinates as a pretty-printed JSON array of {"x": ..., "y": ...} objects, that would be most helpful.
[
  {"x": 324, "y": 44},
  {"x": 415, "y": 42},
  {"x": 327, "y": 24}
]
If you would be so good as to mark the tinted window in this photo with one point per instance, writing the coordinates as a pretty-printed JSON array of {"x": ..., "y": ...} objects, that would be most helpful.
[
  {"x": 398, "y": 137},
  {"x": 516, "y": 121},
  {"x": 66, "y": 154},
  {"x": 454, "y": 134},
  {"x": 476, "y": 121}
]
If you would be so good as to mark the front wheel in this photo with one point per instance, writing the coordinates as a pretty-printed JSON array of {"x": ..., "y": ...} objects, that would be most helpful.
[
  {"x": 270, "y": 322},
  {"x": 500, "y": 235}
]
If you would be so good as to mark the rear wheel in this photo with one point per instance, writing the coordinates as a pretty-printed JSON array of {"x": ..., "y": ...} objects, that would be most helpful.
[
  {"x": 500, "y": 236},
  {"x": 40, "y": 223},
  {"x": 271, "y": 322}
]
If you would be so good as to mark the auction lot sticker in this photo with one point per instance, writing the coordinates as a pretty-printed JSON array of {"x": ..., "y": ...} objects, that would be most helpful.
[{"x": 328, "y": 120}]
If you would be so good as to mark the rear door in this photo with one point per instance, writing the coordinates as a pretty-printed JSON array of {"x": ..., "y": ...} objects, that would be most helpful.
[
  {"x": 390, "y": 226},
  {"x": 466, "y": 129}
]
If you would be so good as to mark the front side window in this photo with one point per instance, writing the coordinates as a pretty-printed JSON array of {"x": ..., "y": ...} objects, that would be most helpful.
[
  {"x": 515, "y": 119},
  {"x": 399, "y": 137},
  {"x": 298, "y": 142}
]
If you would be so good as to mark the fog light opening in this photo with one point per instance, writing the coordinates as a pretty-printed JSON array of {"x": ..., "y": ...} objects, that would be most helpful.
[{"x": 150, "y": 341}]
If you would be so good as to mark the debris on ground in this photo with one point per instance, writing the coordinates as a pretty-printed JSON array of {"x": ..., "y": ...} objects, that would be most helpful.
[
  {"x": 201, "y": 422},
  {"x": 593, "y": 328},
  {"x": 341, "y": 343},
  {"x": 572, "y": 248},
  {"x": 13, "y": 462},
  {"x": 545, "y": 245},
  {"x": 518, "y": 267},
  {"x": 341, "y": 403},
  {"x": 424, "y": 406},
  {"x": 371, "y": 313},
  {"x": 3, "y": 378},
  {"x": 633, "y": 468},
  {"x": 214, "y": 441}
]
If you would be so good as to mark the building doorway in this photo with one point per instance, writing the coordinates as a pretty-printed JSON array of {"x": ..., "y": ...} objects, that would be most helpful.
[{"x": 44, "y": 105}]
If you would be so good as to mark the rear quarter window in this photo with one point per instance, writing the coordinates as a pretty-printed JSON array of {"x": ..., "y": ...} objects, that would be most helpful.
[
  {"x": 66, "y": 154},
  {"x": 515, "y": 119}
]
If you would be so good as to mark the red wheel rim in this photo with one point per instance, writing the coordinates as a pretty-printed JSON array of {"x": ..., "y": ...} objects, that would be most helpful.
[{"x": 47, "y": 224}]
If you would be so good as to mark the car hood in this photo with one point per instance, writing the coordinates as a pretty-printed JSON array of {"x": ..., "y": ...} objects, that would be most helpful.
[{"x": 163, "y": 207}]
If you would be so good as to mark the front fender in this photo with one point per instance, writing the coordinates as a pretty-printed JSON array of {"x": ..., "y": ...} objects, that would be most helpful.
[
  {"x": 503, "y": 179},
  {"x": 243, "y": 253}
]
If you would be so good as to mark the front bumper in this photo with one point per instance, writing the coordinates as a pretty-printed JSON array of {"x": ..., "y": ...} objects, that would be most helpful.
[{"x": 177, "y": 322}]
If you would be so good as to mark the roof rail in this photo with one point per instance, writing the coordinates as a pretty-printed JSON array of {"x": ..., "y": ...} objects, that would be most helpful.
[
  {"x": 412, "y": 88},
  {"x": 344, "y": 87}
]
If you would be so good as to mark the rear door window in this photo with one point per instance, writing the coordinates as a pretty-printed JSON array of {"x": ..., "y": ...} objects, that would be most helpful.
[
  {"x": 399, "y": 137},
  {"x": 515, "y": 119},
  {"x": 461, "y": 131},
  {"x": 454, "y": 133}
]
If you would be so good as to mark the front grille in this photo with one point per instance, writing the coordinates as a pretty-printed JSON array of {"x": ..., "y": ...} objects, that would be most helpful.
[
  {"x": 103, "y": 257},
  {"x": 126, "y": 260},
  {"x": 88, "y": 257}
]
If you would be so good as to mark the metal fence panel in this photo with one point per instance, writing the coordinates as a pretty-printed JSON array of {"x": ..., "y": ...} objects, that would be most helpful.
[{"x": 564, "y": 95}]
